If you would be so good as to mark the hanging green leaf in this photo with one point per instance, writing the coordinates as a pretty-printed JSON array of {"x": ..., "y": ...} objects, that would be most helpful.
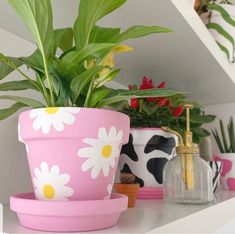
[
  {"x": 121, "y": 95},
  {"x": 26, "y": 101},
  {"x": 139, "y": 31},
  {"x": 90, "y": 11},
  {"x": 19, "y": 85},
  {"x": 8, "y": 65},
  {"x": 5, "y": 113}
]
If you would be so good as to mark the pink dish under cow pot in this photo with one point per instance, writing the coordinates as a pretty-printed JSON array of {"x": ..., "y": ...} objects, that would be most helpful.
[{"x": 73, "y": 153}]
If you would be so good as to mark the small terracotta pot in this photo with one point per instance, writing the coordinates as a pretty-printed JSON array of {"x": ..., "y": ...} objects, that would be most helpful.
[{"x": 130, "y": 190}]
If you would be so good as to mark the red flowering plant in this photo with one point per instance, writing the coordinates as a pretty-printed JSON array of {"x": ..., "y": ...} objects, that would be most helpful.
[{"x": 161, "y": 111}]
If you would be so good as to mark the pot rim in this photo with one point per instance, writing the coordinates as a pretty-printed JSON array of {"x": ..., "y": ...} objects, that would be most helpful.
[{"x": 76, "y": 107}]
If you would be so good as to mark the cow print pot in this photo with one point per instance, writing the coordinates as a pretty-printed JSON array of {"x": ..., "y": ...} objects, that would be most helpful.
[{"x": 145, "y": 156}]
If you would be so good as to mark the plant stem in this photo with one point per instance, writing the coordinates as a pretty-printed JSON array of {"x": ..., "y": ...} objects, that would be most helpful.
[
  {"x": 52, "y": 100},
  {"x": 89, "y": 93}
]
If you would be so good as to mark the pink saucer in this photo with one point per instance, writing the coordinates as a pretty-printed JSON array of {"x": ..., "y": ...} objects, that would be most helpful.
[
  {"x": 68, "y": 216},
  {"x": 150, "y": 193}
]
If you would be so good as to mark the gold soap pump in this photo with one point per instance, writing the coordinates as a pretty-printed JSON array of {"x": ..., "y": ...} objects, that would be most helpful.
[{"x": 187, "y": 178}]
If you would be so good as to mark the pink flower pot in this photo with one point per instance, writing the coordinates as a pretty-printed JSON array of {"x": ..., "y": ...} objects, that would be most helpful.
[
  {"x": 227, "y": 176},
  {"x": 73, "y": 152}
]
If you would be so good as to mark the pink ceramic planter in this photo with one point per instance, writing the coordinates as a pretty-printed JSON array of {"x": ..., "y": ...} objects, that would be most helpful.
[
  {"x": 59, "y": 216},
  {"x": 73, "y": 152}
]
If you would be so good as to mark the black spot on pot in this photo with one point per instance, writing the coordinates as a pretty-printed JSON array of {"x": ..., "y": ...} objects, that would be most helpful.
[
  {"x": 155, "y": 167},
  {"x": 129, "y": 150},
  {"x": 165, "y": 144}
]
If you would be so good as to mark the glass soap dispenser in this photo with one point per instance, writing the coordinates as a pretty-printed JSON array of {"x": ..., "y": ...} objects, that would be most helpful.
[{"x": 187, "y": 178}]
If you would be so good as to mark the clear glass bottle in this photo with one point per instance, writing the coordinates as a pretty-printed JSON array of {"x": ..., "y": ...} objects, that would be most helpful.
[{"x": 187, "y": 178}]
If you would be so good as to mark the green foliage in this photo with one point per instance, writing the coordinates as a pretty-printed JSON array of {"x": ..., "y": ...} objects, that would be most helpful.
[
  {"x": 167, "y": 112},
  {"x": 225, "y": 145},
  {"x": 71, "y": 65},
  {"x": 162, "y": 116}
]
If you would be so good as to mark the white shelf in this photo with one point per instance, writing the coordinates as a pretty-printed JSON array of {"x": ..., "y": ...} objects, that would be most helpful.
[{"x": 158, "y": 217}]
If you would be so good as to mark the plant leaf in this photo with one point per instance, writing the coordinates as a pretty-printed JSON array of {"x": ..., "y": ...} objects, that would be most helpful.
[
  {"x": 218, "y": 141},
  {"x": 37, "y": 16},
  {"x": 26, "y": 101},
  {"x": 121, "y": 95},
  {"x": 90, "y": 11},
  {"x": 72, "y": 59},
  {"x": 63, "y": 39},
  {"x": 103, "y": 35},
  {"x": 107, "y": 77},
  {"x": 138, "y": 31},
  {"x": 226, "y": 148},
  {"x": 34, "y": 61},
  {"x": 5, "y": 68},
  {"x": 80, "y": 82},
  {"x": 5, "y": 113},
  {"x": 19, "y": 85},
  {"x": 98, "y": 95}
]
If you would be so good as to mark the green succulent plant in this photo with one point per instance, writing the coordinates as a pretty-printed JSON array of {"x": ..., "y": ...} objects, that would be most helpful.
[
  {"x": 226, "y": 144},
  {"x": 71, "y": 65}
]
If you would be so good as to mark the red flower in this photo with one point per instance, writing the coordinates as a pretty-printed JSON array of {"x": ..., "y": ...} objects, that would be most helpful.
[
  {"x": 134, "y": 103},
  {"x": 178, "y": 111},
  {"x": 162, "y": 85},
  {"x": 146, "y": 83},
  {"x": 162, "y": 102}
]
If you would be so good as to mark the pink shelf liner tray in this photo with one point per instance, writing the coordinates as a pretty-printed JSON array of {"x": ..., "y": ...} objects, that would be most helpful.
[
  {"x": 68, "y": 216},
  {"x": 150, "y": 193}
]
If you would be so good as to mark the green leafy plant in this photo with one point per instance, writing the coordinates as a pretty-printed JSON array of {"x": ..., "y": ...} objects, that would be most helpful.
[
  {"x": 162, "y": 111},
  {"x": 225, "y": 146},
  {"x": 211, "y": 6},
  {"x": 71, "y": 65}
]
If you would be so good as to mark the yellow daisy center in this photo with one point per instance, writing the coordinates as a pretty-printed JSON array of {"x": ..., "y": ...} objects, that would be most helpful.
[
  {"x": 106, "y": 151},
  {"x": 48, "y": 191},
  {"x": 51, "y": 110}
]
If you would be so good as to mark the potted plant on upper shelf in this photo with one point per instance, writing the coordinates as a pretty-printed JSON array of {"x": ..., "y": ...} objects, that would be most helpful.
[
  {"x": 219, "y": 17},
  {"x": 72, "y": 144},
  {"x": 227, "y": 153},
  {"x": 149, "y": 147}
]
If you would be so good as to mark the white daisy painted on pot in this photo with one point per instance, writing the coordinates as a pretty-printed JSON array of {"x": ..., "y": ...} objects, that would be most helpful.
[
  {"x": 50, "y": 184},
  {"x": 45, "y": 118},
  {"x": 102, "y": 152}
]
